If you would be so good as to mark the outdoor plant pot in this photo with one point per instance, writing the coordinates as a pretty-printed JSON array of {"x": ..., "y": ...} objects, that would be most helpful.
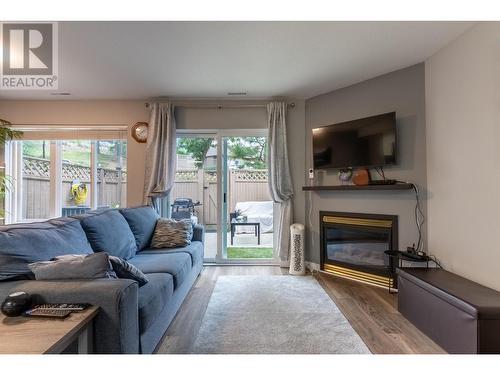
[{"x": 79, "y": 193}]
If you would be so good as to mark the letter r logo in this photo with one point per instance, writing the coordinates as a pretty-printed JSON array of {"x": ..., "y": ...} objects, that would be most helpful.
[{"x": 27, "y": 49}]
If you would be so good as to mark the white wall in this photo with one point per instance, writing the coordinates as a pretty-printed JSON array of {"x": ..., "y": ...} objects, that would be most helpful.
[{"x": 463, "y": 154}]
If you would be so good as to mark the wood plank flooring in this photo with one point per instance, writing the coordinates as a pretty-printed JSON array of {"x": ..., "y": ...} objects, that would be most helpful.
[{"x": 371, "y": 311}]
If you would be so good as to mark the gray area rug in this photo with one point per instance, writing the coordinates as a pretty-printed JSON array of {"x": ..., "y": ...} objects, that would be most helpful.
[{"x": 274, "y": 314}]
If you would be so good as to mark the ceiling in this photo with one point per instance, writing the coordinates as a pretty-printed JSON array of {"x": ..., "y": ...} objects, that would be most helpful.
[{"x": 139, "y": 60}]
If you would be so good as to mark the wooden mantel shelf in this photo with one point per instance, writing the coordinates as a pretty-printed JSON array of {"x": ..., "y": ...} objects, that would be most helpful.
[{"x": 401, "y": 186}]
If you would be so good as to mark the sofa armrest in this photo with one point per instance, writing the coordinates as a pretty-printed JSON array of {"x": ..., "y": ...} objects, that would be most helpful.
[
  {"x": 199, "y": 233},
  {"x": 116, "y": 326}
]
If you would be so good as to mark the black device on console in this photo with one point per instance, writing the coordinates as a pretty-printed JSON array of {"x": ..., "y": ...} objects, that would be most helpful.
[
  {"x": 47, "y": 313},
  {"x": 16, "y": 303},
  {"x": 413, "y": 254},
  {"x": 20, "y": 303},
  {"x": 63, "y": 306},
  {"x": 55, "y": 310}
]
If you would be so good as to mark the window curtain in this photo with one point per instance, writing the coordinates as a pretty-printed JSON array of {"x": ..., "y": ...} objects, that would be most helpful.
[
  {"x": 160, "y": 156},
  {"x": 280, "y": 180}
]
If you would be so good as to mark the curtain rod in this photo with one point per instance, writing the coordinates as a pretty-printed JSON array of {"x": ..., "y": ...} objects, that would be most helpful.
[
  {"x": 94, "y": 127},
  {"x": 220, "y": 106}
]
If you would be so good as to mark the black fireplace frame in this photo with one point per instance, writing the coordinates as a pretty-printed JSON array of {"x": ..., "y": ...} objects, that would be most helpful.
[{"x": 390, "y": 271}]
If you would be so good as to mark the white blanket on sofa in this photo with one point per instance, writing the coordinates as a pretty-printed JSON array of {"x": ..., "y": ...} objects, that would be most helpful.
[{"x": 256, "y": 212}]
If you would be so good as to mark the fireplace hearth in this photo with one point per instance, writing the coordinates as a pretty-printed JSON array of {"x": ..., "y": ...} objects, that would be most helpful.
[{"x": 353, "y": 245}]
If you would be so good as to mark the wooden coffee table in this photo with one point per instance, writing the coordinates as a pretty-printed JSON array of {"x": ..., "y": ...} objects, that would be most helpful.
[{"x": 23, "y": 335}]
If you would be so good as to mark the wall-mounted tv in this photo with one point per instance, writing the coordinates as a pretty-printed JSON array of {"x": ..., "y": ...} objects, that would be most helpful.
[{"x": 367, "y": 142}]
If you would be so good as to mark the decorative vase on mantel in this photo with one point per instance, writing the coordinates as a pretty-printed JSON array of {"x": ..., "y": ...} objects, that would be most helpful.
[{"x": 345, "y": 175}]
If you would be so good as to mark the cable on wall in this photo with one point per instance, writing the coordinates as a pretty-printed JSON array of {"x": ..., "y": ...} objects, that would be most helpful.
[
  {"x": 418, "y": 214},
  {"x": 419, "y": 217}
]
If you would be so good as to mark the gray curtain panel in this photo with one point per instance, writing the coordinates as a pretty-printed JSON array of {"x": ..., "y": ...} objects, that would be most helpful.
[
  {"x": 280, "y": 179},
  {"x": 160, "y": 154}
]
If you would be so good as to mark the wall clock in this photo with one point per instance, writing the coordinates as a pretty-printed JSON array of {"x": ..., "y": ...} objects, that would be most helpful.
[{"x": 140, "y": 132}]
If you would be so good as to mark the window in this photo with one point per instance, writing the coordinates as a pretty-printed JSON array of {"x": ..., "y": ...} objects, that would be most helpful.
[
  {"x": 35, "y": 185},
  {"x": 76, "y": 184},
  {"x": 51, "y": 178},
  {"x": 111, "y": 173}
]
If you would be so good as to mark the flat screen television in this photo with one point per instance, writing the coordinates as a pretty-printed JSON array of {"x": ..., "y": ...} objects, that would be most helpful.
[{"x": 363, "y": 143}]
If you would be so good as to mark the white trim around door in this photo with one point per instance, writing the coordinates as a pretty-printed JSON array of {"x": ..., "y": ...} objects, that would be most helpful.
[{"x": 219, "y": 135}]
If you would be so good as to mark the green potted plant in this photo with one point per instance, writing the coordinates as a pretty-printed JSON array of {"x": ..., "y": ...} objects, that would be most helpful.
[{"x": 6, "y": 134}]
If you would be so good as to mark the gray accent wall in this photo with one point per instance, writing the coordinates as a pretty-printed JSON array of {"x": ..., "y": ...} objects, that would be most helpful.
[{"x": 402, "y": 91}]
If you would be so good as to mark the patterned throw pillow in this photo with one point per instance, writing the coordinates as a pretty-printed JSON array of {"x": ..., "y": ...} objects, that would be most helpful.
[
  {"x": 172, "y": 233},
  {"x": 125, "y": 270}
]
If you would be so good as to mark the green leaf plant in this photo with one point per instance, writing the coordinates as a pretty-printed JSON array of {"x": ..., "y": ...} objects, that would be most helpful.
[{"x": 6, "y": 134}]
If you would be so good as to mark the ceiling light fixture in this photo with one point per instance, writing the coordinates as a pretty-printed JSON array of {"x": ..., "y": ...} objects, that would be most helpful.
[
  {"x": 236, "y": 93},
  {"x": 60, "y": 93}
]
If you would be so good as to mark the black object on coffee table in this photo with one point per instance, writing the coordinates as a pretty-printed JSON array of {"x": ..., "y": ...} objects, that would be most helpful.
[{"x": 16, "y": 303}]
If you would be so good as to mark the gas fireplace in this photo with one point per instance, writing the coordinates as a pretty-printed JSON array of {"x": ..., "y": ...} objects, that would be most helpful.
[{"x": 353, "y": 246}]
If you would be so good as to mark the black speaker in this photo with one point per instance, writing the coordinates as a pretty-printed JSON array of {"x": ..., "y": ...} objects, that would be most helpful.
[{"x": 16, "y": 303}]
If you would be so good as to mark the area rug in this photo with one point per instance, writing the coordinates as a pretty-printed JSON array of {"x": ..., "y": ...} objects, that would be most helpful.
[{"x": 274, "y": 315}]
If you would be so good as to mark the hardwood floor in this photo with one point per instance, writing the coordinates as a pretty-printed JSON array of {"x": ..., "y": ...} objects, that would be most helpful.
[{"x": 371, "y": 311}]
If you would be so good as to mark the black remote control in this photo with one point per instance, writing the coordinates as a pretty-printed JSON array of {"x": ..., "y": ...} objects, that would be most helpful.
[
  {"x": 63, "y": 306},
  {"x": 47, "y": 313}
]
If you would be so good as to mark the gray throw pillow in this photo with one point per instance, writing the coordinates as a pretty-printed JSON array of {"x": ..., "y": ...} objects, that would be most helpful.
[
  {"x": 92, "y": 266},
  {"x": 125, "y": 270},
  {"x": 172, "y": 233}
]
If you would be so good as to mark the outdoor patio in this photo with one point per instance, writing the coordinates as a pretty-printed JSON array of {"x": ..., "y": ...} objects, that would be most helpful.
[{"x": 245, "y": 244}]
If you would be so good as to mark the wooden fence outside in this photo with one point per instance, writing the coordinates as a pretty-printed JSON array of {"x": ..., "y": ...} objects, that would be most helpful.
[
  {"x": 111, "y": 186},
  {"x": 244, "y": 185}
]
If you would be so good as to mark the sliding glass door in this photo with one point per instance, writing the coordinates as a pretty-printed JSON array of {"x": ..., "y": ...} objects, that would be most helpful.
[
  {"x": 194, "y": 194},
  {"x": 247, "y": 212},
  {"x": 221, "y": 182}
]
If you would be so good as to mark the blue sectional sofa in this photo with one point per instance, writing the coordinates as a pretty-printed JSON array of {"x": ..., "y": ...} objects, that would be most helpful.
[{"x": 131, "y": 319}]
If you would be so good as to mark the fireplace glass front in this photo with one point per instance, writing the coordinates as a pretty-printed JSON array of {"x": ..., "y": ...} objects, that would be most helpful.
[{"x": 358, "y": 245}]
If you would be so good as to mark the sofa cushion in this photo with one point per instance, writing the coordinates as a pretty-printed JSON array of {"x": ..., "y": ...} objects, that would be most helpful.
[
  {"x": 153, "y": 297},
  {"x": 194, "y": 249},
  {"x": 109, "y": 231},
  {"x": 176, "y": 264},
  {"x": 21, "y": 244},
  {"x": 71, "y": 266},
  {"x": 142, "y": 222}
]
